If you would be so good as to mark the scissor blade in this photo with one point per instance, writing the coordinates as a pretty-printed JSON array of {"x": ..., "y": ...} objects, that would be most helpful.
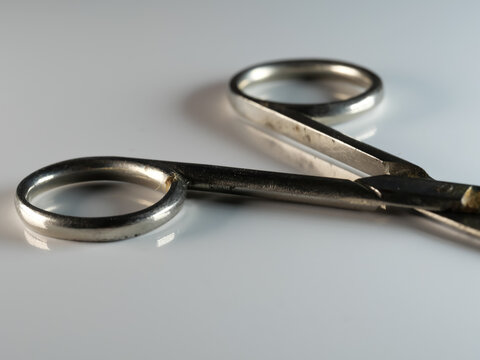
[
  {"x": 425, "y": 193},
  {"x": 452, "y": 204},
  {"x": 291, "y": 153},
  {"x": 311, "y": 162}
]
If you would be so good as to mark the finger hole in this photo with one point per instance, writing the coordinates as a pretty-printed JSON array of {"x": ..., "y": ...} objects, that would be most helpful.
[
  {"x": 77, "y": 173},
  {"x": 97, "y": 198},
  {"x": 316, "y": 87},
  {"x": 312, "y": 89}
]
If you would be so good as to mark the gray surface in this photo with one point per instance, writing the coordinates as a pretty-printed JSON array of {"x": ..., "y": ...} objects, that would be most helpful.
[{"x": 237, "y": 279}]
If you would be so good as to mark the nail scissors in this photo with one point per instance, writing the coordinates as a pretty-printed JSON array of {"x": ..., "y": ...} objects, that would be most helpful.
[{"x": 389, "y": 182}]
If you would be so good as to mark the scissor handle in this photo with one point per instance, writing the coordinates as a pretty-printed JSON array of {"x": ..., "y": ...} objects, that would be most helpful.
[
  {"x": 173, "y": 179},
  {"x": 312, "y": 69},
  {"x": 304, "y": 123},
  {"x": 108, "y": 228}
]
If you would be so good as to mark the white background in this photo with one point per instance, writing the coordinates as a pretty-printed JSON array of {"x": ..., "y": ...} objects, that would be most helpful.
[{"x": 239, "y": 280}]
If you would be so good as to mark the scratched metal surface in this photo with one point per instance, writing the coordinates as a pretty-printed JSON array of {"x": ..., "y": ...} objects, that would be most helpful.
[{"x": 228, "y": 278}]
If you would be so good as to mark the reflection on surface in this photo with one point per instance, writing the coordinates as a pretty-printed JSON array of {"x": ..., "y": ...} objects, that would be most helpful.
[
  {"x": 367, "y": 134},
  {"x": 304, "y": 91},
  {"x": 165, "y": 240},
  {"x": 97, "y": 198},
  {"x": 36, "y": 240},
  {"x": 160, "y": 237},
  {"x": 202, "y": 213},
  {"x": 94, "y": 199},
  {"x": 47, "y": 243}
]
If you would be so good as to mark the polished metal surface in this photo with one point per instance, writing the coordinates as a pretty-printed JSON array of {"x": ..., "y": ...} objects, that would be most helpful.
[
  {"x": 99, "y": 228},
  {"x": 305, "y": 124},
  {"x": 394, "y": 183}
]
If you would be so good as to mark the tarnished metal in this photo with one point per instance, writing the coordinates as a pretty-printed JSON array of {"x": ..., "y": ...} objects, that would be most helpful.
[
  {"x": 395, "y": 183},
  {"x": 100, "y": 228},
  {"x": 174, "y": 179},
  {"x": 305, "y": 124}
]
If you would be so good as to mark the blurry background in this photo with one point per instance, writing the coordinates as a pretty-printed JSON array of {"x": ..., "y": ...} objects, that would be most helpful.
[{"x": 233, "y": 279}]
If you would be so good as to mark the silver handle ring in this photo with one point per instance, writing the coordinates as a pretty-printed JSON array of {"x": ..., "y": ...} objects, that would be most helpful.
[
  {"x": 311, "y": 69},
  {"x": 100, "y": 228}
]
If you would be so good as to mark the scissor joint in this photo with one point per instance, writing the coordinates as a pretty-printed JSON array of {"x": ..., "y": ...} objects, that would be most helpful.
[{"x": 404, "y": 168}]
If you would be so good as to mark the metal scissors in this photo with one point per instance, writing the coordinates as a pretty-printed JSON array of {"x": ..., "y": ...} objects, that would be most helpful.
[{"x": 389, "y": 181}]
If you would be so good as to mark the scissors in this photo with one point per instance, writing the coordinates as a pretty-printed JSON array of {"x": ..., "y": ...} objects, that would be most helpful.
[{"x": 389, "y": 182}]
